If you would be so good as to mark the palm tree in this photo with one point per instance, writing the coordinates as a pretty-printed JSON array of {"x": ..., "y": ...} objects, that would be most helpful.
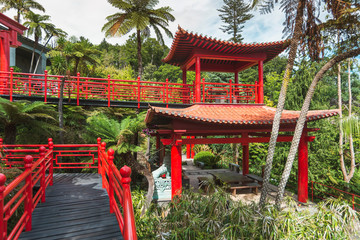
[
  {"x": 139, "y": 15},
  {"x": 53, "y": 32},
  {"x": 35, "y": 115},
  {"x": 37, "y": 24},
  {"x": 22, "y": 7},
  {"x": 301, "y": 26},
  {"x": 83, "y": 53},
  {"x": 124, "y": 138}
]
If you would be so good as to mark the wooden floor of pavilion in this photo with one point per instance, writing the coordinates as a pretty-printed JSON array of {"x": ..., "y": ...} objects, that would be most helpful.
[{"x": 76, "y": 207}]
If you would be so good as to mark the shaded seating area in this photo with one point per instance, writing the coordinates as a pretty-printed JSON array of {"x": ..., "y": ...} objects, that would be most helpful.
[{"x": 235, "y": 123}]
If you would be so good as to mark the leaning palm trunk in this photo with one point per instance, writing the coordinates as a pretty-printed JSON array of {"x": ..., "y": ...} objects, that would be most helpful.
[
  {"x": 347, "y": 177},
  {"x": 42, "y": 50},
  {"x": 341, "y": 132},
  {"x": 139, "y": 56},
  {"x": 281, "y": 102},
  {"x": 302, "y": 118}
]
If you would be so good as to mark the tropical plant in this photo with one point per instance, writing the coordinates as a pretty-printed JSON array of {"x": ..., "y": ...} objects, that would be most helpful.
[
  {"x": 125, "y": 139},
  {"x": 234, "y": 14},
  {"x": 35, "y": 115},
  {"x": 208, "y": 158},
  {"x": 22, "y": 7},
  {"x": 139, "y": 15},
  {"x": 217, "y": 216},
  {"x": 37, "y": 24}
]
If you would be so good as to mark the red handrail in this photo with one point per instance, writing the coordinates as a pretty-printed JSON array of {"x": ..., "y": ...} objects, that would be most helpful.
[
  {"x": 108, "y": 89},
  {"x": 117, "y": 183},
  {"x": 21, "y": 190},
  {"x": 335, "y": 193}
]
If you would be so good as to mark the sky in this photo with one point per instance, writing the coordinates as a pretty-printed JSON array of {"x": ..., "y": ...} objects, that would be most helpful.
[{"x": 86, "y": 18}]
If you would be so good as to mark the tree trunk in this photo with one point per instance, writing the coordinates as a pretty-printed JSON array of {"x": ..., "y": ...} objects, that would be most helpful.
[
  {"x": 140, "y": 68},
  {"x": 32, "y": 57},
  {"x": 302, "y": 118},
  {"x": 77, "y": 61},
  {"x": 10, "y": 133},
  {"x": 42, "y": 50},
  {"x": 280, "y": 106},
  {"x": 351, "y": 143},
  {"x": 135, "y": 165},
  {"x": 60, "y": 108},
  {"x": 341, "y": 132}
]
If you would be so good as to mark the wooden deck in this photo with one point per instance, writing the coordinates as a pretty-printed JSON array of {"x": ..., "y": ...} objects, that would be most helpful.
[{"x": 76, "y": 207}]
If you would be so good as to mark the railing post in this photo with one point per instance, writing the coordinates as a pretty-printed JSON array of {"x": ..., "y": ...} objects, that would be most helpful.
[
  {"x": 203, "y": 87},
  {"x": 129, "y": 220},
  {"x": 256, "y": 92},
  {"x": 42, "y": 150},
  {"x": 28, "y": 205},
  {"x": 51, "y": 169},
  {"x": 109, "y": 90},
  {"x": 197, "y": 91},
  {"x": 29, "y": 85},
  {"x": 99, "y": 158},
  {"x": 138, "y": 91},
  {"x": 103, "y": 149},
  {"x": 230, "y": 92},
  {"x": 59, "y": 86},
  {"x": 11, "y": 83},
  {"x": 353, "y": 201},
  {"x": 45, "y": 83},
  {"x": 113, "y": 90},
  {"x": 111, "y": 187},
  {"x": 78, "y": 89},
  {"x": 3, "y": 223},
  {"x": 167, "y": 92},
  {"x": 86, "y": 87}
]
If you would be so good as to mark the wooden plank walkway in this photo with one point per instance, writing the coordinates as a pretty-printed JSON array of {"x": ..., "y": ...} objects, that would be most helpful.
[{"x": 76, "y": 207}]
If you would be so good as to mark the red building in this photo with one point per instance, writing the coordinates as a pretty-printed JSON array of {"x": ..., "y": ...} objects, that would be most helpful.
[{"x": 246, "y": 123}]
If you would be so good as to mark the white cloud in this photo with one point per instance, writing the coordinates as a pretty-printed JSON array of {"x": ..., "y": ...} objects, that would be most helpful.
[{"x": 86, "y": 18}]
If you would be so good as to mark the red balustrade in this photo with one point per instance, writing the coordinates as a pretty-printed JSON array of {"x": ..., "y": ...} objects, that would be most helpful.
[
  {"x": 117, "y": 184},
  {"x": 322, "y": 191},
  {"x": 21, "y": 192},
  {"x": 87, "y": 88},
  {"x": 38, "y": 169}
]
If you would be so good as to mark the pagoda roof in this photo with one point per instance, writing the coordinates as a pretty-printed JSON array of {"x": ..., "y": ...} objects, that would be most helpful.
[
  {"x": 218, "y": 55},
  {"x": 232, "y": 114}
]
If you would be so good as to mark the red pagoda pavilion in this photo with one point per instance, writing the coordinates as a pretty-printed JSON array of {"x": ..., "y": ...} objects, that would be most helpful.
[{"x": 246, "y": 123}]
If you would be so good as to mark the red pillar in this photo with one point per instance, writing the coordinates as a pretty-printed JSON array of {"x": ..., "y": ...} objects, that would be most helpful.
[
  {"x": 303, "y": 169},
  {"x": 192, "y": 155},
  {"x": 188, "y": 149},
  {"x": 261, "y": 83},
  {"x": 4, "y": 51},
  {"x": 4, "y": 59},
  {"x": 185, "y": 92},
  {"x": 245, "y": 157},
  {"x": 197, "y": 80},
  {"x": 184, "y": 76},
  {"x": 236, "y": 78},
  {"x": 176, "y": 169}
]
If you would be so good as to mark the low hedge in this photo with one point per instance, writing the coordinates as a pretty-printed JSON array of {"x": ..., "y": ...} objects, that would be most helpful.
[{"x": 208, "y": 158}]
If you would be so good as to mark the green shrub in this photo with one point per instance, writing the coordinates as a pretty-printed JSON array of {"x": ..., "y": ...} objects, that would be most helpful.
[{"x": 208, "y": 158}]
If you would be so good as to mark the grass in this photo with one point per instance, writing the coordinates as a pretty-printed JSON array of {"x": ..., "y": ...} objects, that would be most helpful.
[{"x": 197, "y": 216}]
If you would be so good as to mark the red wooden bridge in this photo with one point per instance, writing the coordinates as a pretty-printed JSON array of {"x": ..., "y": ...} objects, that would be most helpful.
[
  {"x": 122, "y": 93},
  {"x": 65, "y": 205}
]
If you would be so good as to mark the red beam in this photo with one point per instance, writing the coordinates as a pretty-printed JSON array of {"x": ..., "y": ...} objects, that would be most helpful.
[{"x": 239, "y": 140}]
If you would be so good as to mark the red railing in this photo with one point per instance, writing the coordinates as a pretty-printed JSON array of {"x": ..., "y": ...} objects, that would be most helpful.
[
  {"x": 117, "y": 184},
  {"x": 86, "y": 88},
  {"x": 21, "y": 192},
  {"x": 60, "y": 156},
  {"x": 321, "y": 191}
]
